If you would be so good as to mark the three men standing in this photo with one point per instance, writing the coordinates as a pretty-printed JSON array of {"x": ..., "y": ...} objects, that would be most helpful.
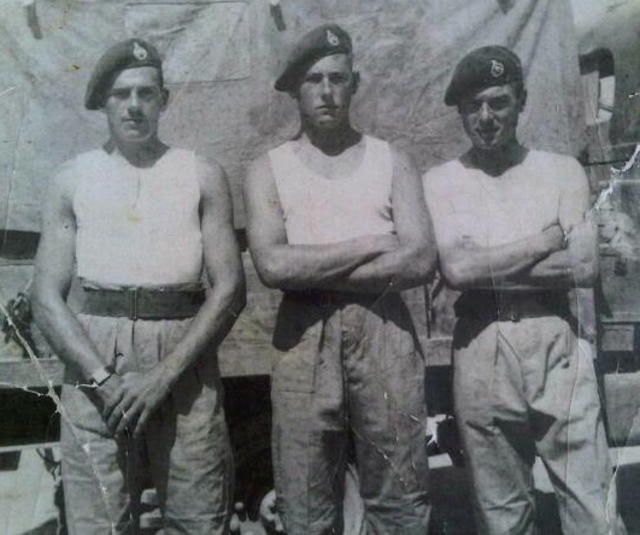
[
  {"x": 512, "y": 235},
  {"x": 337, "y": 220},
  {"x": 142, "y": 395}
]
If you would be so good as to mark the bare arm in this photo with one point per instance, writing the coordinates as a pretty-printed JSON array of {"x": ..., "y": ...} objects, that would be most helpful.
[
  {"x": 54, "y": 268},
  {"x": 577, "y": 265},
  {"x": 292, "y": 267},
  {"x": 413, "y": 260},
  {"x": 466, "y": 265},
  {"x": 223, "y": 266}
]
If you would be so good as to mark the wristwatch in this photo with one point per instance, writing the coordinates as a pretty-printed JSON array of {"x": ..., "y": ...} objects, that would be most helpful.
[{"x": 100, "y": 376}]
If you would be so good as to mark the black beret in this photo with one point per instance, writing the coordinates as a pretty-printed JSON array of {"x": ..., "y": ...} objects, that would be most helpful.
[
  {"x": 322, "y": 41},
  {"x": 481, "y": 68},
  {"x": 123, "y": 55}
]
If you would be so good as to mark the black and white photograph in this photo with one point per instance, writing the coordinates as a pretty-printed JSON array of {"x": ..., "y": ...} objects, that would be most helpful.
[{"x": 320, "y": 267}]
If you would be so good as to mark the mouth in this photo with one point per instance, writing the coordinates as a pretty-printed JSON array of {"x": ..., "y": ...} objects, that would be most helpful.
[
  {"x": 327, "y": 109},
  {"x": 131, "y": 122},
  {"x": 487, "y": 134}
]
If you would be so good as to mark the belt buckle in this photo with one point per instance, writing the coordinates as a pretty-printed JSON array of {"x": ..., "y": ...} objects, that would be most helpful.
[{"x": 133, "y": 302}]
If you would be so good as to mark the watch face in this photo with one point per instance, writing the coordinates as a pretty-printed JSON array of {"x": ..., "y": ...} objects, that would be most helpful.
[{"x": 100, "y": 376}]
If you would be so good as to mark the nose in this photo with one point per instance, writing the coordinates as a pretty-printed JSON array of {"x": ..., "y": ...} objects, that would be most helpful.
[
  {"x": 485, "y": 113},
  {"x": 134, "y": 101},
  {"x": 327, "y": 90}
]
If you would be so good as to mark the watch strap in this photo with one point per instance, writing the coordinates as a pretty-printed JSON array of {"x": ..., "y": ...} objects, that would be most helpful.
[{"x": 100, "y": 376}]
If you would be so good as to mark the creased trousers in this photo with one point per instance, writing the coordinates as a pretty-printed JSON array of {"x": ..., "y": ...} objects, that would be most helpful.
[
  {"x": 349, "y": 371},
  {"x": 185, "y": 451},
  {"x": 525, "y": 388}
]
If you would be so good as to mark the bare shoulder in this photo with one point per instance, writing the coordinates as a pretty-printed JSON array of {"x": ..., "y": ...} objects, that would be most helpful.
[
  {"x": 211, "y": 177},
  {"x": 258, "y": 168},
  {"x": 565, "y": 170},
  {"x": 552, "y": 158},
  {"x": 67, "y": 178},
  {"x": 402, "y": 160},
  {"x": 443, "y": 179}
]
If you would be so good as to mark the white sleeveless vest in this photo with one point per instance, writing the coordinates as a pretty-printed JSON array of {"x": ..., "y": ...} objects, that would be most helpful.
[
  {"x": 138, "y": 226},
  {"x": 319, "y": 210}
]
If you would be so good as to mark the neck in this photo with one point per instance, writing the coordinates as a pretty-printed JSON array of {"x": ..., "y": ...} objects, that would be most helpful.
[
  {"x": 331, "y": 142},
  {"x": 143, "y": 154},
  {"x": 495, "y": 162}
]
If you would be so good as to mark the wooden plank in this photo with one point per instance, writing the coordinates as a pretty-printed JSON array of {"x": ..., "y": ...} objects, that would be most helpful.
[{"x": 24, "y": 374}]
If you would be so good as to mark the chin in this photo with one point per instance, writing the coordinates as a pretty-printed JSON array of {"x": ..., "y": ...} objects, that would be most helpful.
[
  {"x": 494, "y": 145},
  {"x": 135, "y": 138},
  {"x": 328, "y": 124}
]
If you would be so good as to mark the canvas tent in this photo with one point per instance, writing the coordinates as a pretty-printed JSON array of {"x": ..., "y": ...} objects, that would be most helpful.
[{"x": 221, "y": 60}]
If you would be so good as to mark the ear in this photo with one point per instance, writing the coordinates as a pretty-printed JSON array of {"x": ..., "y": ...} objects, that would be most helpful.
[
  {"x": 523, "y": 98},
  {"x": 355, "y": 83},
  {"x": 165, "y": 98}
]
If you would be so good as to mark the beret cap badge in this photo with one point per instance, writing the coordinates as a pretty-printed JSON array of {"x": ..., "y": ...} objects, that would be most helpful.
[
  {"x": 497, "y": 68},
  {"x": 139, "y": 52},
  {"x": 128, "y": 54},
  {"x": 332, "y": 38},
  {"x": 324, "y": 40},
  {"x": 483, "y": 67}
]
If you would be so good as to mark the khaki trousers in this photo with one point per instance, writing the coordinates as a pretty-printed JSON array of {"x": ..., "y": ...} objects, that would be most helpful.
[
  {"x": 349, "y": 373},
  {"x": 185, "y": 452},
  {"x": 525, "y": 388}
]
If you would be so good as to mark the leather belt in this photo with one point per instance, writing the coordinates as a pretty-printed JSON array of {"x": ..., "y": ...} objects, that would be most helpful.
[
  {"x": 511, "y": 306},
  {"x": 143, "y": 303},
  {"x": 330, "y": 298}
]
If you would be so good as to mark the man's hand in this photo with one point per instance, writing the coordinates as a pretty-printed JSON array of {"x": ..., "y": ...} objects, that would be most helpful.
[
  {"x": 553, "y": 238},
  {"x": 128, "y": 403},
  {"x": 582, "y": 240},
  {"x": 108, "y": 395}
]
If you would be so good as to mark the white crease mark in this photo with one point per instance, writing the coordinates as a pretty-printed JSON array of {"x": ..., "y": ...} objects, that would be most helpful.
[
  {"x": 7, "y": 91},
  {"x": 54, "y": 396},
  {"x": 23, "y": 388}
]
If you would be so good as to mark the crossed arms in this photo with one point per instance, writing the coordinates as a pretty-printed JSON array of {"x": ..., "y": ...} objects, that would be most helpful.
[
  {"x": 563, "y": 255},
  {"x": 372, "y": 263},
  {"x": 133, "y": 394}
]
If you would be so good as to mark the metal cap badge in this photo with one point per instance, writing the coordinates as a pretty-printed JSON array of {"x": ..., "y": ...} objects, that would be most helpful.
[
  {"x": 483, "y": 67},
  {"x": 322, "y": 41},
  {"x": 139, "y": 52},
  {"x": 123, "y": 55}
]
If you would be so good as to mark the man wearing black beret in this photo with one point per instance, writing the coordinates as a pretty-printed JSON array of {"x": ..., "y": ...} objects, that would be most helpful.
[
  {"x": 337, "y": 221},
  {"x": 142, "y": 395},
  {"x": 513, "y": 235}
]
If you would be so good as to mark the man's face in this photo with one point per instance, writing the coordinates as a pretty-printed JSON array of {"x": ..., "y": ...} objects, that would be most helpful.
[
  {"x": 134, "y": 104},
  {"x": 490, "y": 116},
  {"x": 324, "y": 94}
]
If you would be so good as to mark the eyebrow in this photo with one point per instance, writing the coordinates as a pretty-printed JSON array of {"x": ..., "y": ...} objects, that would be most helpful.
[{"x": 151, "y": 86}]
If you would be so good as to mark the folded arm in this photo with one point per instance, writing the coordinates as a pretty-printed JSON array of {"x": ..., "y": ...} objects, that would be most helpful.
[
  {"x": 563, "y": 255},
  {"x": 294, "y": 267},
  {"x": 467, "y": 265},
  {"x": 413, "y": 260},
  {"x": 577, "y": 264}
]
